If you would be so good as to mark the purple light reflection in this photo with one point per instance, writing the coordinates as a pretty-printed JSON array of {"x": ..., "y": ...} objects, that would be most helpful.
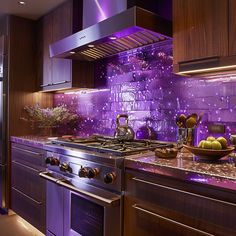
[{"x": 140, "y": 83}]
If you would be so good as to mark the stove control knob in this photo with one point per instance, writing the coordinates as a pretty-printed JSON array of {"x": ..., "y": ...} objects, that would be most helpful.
[
  {"x": 83, "y": 172},
  {"x": 52, "y": 161},
  {"x": 48, "y": 160},
  {"x": 109, "y": 178},
  {"x": 92, "y": 173},
  {"x": 65, "y": 167}
]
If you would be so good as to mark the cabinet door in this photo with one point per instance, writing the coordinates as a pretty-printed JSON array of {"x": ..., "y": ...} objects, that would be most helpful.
[
  {"x": 232, "y": 27},
  {"x": 200, "y": 29},
  {"x": 62, "y": 25},
  {"x": 174, "y": 207},
  {"x": 47, "y": 62},
  {"x": 28, "y": 190},
  {"x": 143, "y": 220}
]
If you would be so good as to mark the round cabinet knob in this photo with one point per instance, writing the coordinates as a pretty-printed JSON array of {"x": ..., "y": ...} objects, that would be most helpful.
[
  {"x": 109, "y": 178},
  {"x": 92, "y": 173},
  {"x": 48, "y": 160},
  {"x": 65, "y": 167}
]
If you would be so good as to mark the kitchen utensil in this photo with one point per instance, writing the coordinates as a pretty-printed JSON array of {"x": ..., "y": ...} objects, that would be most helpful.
[
  {"x": 180, "y": 121},
  {"x": 200, "y": 118},
  {"x": 209, "y": 154},
  {"x": 123, "y": 132},
  {"x": 233, "y": 139},
  {"x": 146, "y": 131}
]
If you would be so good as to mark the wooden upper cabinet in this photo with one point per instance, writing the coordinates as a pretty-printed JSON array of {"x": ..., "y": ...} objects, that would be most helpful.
[
  {"x": 232, "y": 27},
  {"x": 46, "y": 79},
  {"x": 200, "y": 29},
  {"x": 56, "y": 73}
]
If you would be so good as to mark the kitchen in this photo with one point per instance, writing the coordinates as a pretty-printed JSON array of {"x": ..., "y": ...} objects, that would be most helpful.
[{"x": 122, "y": 78}]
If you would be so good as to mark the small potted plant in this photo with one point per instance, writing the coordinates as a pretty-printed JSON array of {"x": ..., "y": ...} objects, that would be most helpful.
[{"x": 48, "y": 118}]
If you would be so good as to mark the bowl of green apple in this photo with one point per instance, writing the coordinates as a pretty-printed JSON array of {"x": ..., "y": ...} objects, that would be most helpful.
[{"x": 211, "y": 149}]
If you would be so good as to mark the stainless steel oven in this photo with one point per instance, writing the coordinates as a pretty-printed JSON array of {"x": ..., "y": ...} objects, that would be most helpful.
[
  {"x": 75, "y": 207},
  {"x": 86, "y": 183}
]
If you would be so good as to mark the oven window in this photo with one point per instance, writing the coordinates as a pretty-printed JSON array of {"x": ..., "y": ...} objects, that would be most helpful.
[{"x": 86, "y": 217}]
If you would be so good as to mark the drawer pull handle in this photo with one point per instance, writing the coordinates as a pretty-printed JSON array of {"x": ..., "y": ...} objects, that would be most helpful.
[
  {"x": 61, "y": 82},
  {"x": 136, "y": 207},
  {"x": 27, "y": 151},
  {"x": 184, "y": 192},
  {"x": 44, "y": 85},
  {"x": 25, "y": 166},
  {"x": 102, "y": 199},
  {"x": 62, "y": 182},
  {"x": 39, "y": 203}
]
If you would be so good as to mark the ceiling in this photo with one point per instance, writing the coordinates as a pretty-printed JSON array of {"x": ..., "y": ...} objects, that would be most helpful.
[{"x": 33, "y": 9}]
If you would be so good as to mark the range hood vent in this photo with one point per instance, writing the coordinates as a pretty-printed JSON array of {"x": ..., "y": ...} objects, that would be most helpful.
[{"x": 127, "y": 30}]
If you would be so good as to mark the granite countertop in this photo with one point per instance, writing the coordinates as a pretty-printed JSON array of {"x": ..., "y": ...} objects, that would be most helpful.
[
  {"x": 30, "y": 140},
  {"x": 221, "y": 173},
  {"x": 186, "y": 167}
]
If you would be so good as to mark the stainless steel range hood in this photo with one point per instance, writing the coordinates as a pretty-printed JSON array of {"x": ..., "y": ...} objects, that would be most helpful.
[{"x": 132, "y": 28}]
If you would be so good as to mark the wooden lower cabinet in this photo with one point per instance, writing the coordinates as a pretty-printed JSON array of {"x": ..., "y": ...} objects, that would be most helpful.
[
  {"x": 155, "y": 205},
  {"x": 28, "y": 190}
]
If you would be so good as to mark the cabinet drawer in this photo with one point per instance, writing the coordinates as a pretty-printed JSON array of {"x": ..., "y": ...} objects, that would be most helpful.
[
  {"x": 27, "y": 180},
  {"x": 146, "y": 222},
  {"x": 29, "y": 209},
  {"x": 203, "y": 212},
  {"x": 29, "y": 156}
]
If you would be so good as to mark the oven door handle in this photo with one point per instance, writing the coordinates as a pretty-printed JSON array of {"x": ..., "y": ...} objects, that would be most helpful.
[
  {"x": 48, "y": 176},
  {"x": 114, "y": 201}
]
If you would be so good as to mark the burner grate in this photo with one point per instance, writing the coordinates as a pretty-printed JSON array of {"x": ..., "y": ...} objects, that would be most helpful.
[{"x": 111, "y": 145}]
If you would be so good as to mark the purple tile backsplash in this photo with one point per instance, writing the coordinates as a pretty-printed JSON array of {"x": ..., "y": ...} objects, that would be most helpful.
[{"x": 140, "y": 83}]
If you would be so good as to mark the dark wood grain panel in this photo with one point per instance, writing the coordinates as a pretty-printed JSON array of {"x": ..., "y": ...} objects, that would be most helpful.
[
  {"x": 62, "y": 21},
  {"x": 32, "y": 157},
  {"x": 27, "y": 180},
  {"x": 32, "y": 211},
  {"x": 232, "y": 27},
  {"x": 28, "y": 190},
  {"x": 22, "y": 74},
  {"x": 59, "y": 73},
  {"x": 200, "y": 29},
  {"x": 175, "y": 207},
  {"x": 47, "y": 39}
]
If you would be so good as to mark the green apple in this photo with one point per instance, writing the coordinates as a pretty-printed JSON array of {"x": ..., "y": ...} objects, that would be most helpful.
[
  {"x": 216, "y": 145},
  {"x": 223, "y": 142},
  {"x": 200, "y": 145},
  {"x": 207, "y": 145},
  {"x": 211, "y": 138}
]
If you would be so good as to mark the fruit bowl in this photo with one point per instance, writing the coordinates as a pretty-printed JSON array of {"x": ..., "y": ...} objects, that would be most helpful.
[{"x": 209, "y": 154}]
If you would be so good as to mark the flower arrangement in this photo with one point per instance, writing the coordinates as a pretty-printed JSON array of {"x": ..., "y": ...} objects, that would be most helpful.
[{"x": 49, "y": 117}]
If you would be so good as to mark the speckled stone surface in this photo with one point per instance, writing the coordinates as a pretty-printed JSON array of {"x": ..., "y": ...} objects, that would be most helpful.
[
  {"x": 33, "y": 141},
  {"x": 221, "y": 173}
]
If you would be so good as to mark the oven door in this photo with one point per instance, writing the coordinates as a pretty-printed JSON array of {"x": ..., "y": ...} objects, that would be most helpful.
[
  {"x": 88, "y": 210},
  {"x": 97, "y": 213}
]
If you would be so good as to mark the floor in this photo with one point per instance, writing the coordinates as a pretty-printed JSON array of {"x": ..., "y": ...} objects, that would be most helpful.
[{"x": 13, "y": 225}]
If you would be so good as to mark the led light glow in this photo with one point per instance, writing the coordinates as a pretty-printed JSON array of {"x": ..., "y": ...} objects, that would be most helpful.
[
  {"x": 22, "y": 2},
  {"x": 112, "y": 37},
  {"x": 198, "y": 71},
  {"x": 91, "y": 46},
  {"x": 140, "y": 83}
]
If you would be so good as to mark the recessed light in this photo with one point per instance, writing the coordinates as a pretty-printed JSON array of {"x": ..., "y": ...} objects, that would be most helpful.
[
  {"x": 72, "y": 52},
  {"x": 22, "y": 2},
  {"x": 91, "y": 46},
  {"x": 112, "y": 37}
]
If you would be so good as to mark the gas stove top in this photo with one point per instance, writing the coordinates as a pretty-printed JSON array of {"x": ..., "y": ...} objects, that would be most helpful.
[{"x": 106, "y": 144}]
